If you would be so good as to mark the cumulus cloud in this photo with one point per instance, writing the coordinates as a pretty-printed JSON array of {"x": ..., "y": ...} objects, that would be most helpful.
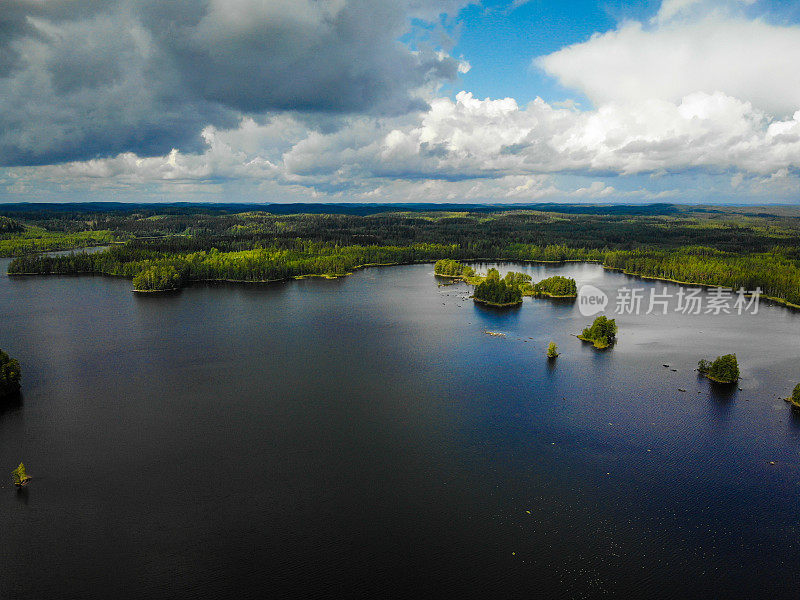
[
  {"x": 480, "y": 144},
  {"x": 674, "y": 8},
  {"x": 469, "y": 138},
  {"x": 692, "y": 47},
  {"x": 81, "y": 79}
]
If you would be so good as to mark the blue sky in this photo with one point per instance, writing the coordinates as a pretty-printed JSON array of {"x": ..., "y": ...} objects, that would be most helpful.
[
  {"x": 400, "y": 100},
  {"x": 499, "y": 40}
]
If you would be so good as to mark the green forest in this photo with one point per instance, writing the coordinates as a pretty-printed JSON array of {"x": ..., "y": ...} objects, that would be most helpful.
[
  {"x": 164, "y": 247},
  {"x": 10, "y": 226}
]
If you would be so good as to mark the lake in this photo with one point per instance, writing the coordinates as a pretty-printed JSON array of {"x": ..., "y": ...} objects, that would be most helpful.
[{"x": 363, "y": 437}]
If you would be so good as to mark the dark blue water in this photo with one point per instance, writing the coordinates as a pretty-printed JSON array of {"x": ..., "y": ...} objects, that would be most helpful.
[{"x": 364, "y": 438}]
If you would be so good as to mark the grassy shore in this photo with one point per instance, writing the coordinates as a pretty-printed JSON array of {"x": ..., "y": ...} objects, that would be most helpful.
[
  {"x": 715, "y": 380},
  {"x": 495, "y": 304},
  {"x": 535, "y": 294},
  {"x": 596, "y": 343}
]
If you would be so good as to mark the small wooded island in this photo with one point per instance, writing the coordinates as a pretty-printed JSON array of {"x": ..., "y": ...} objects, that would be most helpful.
[
  {"x": 556, "y": 287},
  {"x": 552, "y": 351},
  {"x": 495, "y": 291},
  {"x": 602, "y": 333},
  {"x": 724, "y": 369},
  {"x": 10, "y": 375}
]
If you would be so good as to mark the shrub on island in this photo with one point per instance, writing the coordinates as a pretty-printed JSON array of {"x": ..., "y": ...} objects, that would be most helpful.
[
  {"x": 552, "y": 350},
  {"x": 724, "y": 369},
  {"x": 602, "y": 333},
  {"x": 10, "y": 375}
]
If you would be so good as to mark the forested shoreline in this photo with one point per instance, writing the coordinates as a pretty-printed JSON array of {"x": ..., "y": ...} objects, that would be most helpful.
[{"x": 162, "y": 251}]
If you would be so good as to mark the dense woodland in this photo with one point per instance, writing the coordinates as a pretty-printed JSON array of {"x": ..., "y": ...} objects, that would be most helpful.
[
  {"x": 10, "y": 226},
  {"x": 166, "y": 247}
]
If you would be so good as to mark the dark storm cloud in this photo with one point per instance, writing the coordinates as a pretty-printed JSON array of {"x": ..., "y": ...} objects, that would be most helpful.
[{"x": 82, "y": 79}]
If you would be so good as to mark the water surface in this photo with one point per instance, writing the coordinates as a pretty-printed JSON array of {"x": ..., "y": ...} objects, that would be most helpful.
[{"x": 363, "y": 437}]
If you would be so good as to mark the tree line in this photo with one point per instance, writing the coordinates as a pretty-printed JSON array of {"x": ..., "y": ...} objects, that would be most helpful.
[{"x": 168, "y": 246}]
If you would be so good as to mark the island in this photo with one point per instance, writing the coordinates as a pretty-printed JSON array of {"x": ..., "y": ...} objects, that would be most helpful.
[
  {"x": 724, "y": 369},
  {"x": 10, "y": 375},
  {"x": 794, "y": 399},
  {"x": 555, "y": 287},
  {"x": 495, "y": 291},
  {"x": 602, "y": 333},
  {"x": 552, "y": 351}
]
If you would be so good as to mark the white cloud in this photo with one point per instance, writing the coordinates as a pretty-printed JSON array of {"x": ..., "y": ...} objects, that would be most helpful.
[
  {"x": 751, "y": 60},
  {"x": 677, "y": 8},
  {"x": 479, "y": 149}
]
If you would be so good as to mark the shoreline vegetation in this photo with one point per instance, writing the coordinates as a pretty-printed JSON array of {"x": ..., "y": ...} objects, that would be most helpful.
[{"x": 688, "y": 246}]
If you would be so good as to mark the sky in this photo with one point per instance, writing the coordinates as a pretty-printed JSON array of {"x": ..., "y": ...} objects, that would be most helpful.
[{"x": 492, "y": 101}]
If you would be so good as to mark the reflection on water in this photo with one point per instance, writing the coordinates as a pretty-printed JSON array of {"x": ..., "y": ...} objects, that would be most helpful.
[
  {"x": 11, "y": 404},
  {"x": 722, "y": 393},
  {"x": 363, "y": 437},
  {"x": 22, "y": 495}
]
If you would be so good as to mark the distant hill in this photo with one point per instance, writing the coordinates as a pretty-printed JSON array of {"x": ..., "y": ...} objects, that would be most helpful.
[{"x": 22, "y": 209}]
